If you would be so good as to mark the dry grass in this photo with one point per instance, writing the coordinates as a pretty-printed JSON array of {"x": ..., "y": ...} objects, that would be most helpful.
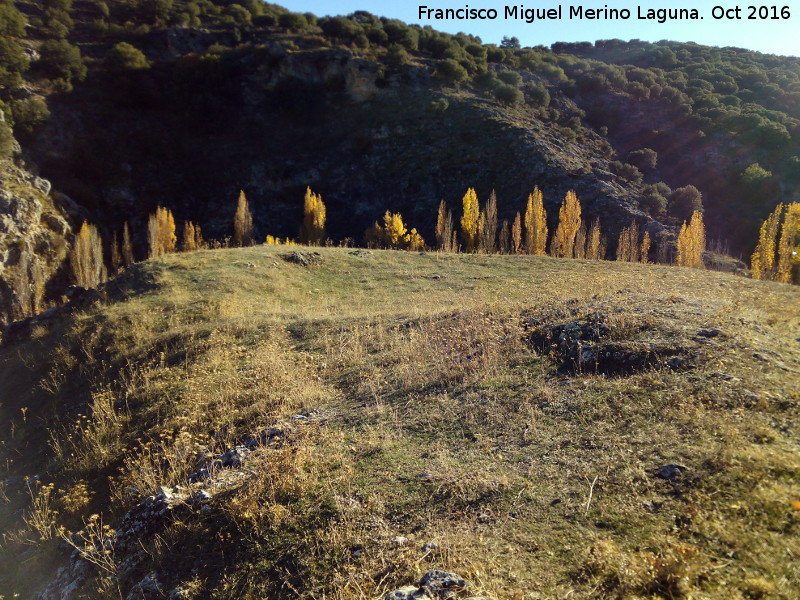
[{"x": 437, "y": 419}]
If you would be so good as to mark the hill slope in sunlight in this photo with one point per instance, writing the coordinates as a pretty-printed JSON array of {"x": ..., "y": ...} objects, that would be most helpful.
[{"x": 333, "y": 423}]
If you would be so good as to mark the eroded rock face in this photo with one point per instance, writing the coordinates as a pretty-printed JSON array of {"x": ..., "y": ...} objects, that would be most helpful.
[{"x": 33, "y": 242}]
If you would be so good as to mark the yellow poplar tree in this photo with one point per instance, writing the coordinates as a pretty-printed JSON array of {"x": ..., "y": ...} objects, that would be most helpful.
[
  {"x": 594, "y": 242},
  {"x": 535, "y": 223},
  {"x": 86, "y": 257},
  {"x": 312, "y": 231},
  {"x": 692, "y": 242},
  {"x": 192, "y": 237},
  {"x": 393, "y": 229},
  {"x": 445, "y": 236},
  {"x": 516, "y": 235},
  {"x": 774, "y": 257},
  {"x": 762, "y": 262},
  {"x": 242, "y": 222},
  {"x": 569, "y": 223},
  {"x": 470, "y": 220},
  {"x": 628, "y": 244},
  {"x": 161, "y": 236},
  {"x": 789, "y": 244}
]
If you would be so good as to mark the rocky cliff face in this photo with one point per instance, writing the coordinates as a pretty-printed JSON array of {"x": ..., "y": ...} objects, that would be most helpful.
[{"x": 34, "y": 236}]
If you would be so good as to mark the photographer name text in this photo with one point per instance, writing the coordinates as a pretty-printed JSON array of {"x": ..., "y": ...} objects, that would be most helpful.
[{"x": 579, "y": 12}]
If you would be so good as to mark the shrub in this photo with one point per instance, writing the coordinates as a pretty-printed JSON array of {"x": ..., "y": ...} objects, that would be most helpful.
[
  {"x": 450, "y": 71},
  {"x": 440, "y": 105},
  {"x": 645, "y": 159},
  {"x": 396, "y": 56},
  {"x": 510, "y": 77},
  {"x": 125, "y": 57},
  {"x": 626, "y": 171},
  {"x": 61, "y": 60},
  {"x": 684, "y": 201},
  {"x": 538, "y": 94},
  {"x": 508, "y": 94},
  {"x": 12, "y": 22},
  {"x": 293, "y": 21},
  {"x": 6, "y": 140},
  {"x": 30, "y": 114},
  {"x": 239, "y": 14},
  {"x": 486, "y": 80}
]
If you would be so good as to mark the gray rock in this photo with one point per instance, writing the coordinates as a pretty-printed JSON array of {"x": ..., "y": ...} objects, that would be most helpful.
[
  {"x": 709, "y": 333},
  {"x": 43, "y": 185},
  {"x": 671, "y": 471},
  {"x": 441, "y": 584},
  {"x": 234, "y": 457},
  {"x": 408, "y": 592}
]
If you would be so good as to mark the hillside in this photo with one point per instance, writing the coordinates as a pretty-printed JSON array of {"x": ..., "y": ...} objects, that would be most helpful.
[
  {"x": 125, "y": 106},
  {"x": 333, "y": 423}
]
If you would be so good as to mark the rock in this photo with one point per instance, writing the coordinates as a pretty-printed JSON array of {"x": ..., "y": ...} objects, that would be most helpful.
[
  {"x": 43, "y": 185},
  {"x": 200, "y": 497},
  {"x": 441, "y": 584},
  {"x": 678, "y": 363},
  {"x": 304, "y": 259},
  {"x": 408, "y": 592},
  {"x": 147, "y": 589},
  {"x": 671, "y": 471},
  {"x": 709, "y": 333},
  {"x": 234, "y": 457},
  {"x": 429, "y": 547}
]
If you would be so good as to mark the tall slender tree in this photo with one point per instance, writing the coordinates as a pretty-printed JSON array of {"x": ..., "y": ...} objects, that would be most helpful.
[
  {"x": 569, "y": 223},
  {"x": 535, "y": 223},
  {"x": 470, "y": 219},
  {"x": 86, "y": 257},
  {"x": 242, "y": 222}
]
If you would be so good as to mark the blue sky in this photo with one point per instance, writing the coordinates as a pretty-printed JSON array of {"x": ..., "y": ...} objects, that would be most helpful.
[{"x": 774, "y": 36}]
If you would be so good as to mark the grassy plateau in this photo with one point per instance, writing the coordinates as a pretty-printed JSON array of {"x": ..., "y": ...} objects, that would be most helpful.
[{"x": 428, "y": 412}]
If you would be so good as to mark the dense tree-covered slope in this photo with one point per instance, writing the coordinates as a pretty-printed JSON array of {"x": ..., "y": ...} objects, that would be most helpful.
[{"x": 125, "y": 106}]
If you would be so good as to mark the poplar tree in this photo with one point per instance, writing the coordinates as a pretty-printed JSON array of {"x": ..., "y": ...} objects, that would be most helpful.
[
  {"x": 312, "y": 232},
  {"x": 393, "y": 229},
  {"x": 516, "y": 235},
  {"x": 579, "y": 250},
  {"x": 569, "y": 223},
  {"x": 595, "y": 248},
  {"x": 692, "y": 242},
  {"x": 762, "y": 261},
  {"x": 127, "y": 246},
  {"x": 192, "y": 237},
  {"x": 487, "y": 226},
  {"x": 644, "y": 250},
  {"x": 470, "y": 219},
  {"x": 774, "y": 256},
  {"x": 161, "y": 238},
  {"x": 535, "y": 224},
  {"x": 628, "y": 244},
  {"x": 116, "y": 254},
  {"x": 86, "y": 257},
  {"x": 504, "y": 242},
  {"x": 789, "y": 244},
  {"x": 445, "y": 236},
  {"x": 242, "y": 222}
]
